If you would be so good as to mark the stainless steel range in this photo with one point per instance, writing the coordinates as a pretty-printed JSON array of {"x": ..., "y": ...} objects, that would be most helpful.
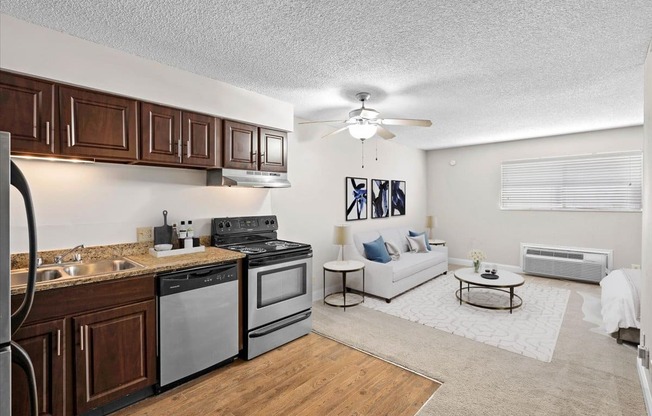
[{"x": 278, "y": 286}]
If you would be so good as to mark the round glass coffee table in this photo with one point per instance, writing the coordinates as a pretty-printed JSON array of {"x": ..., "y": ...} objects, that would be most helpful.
[{"x": 506, "y": 282}]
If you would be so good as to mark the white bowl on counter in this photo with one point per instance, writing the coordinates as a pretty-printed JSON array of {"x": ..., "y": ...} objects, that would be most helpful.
[{"x": 163, "y": 247}]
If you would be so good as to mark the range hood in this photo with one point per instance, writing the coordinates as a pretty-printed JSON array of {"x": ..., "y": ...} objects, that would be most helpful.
[{"x": 246, "y": 178}]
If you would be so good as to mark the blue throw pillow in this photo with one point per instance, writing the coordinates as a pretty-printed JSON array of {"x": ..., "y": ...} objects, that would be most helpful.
[
  {"x": 415, "y": 234},
  {"x": 376, "y": 251}
]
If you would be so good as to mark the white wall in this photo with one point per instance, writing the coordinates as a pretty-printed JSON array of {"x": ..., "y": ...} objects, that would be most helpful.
[
  {"x": 104, "y": 203},
  {"x": 316, "y": 201},
  {"x": 465, "y": 199},
  {"x": 646, "y": 296}
]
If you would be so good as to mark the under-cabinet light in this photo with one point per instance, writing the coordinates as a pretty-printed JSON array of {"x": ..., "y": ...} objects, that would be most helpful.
[{"x": 52, "y": 159}]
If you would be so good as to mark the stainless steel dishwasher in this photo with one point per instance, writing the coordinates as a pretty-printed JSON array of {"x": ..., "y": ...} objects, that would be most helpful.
[{"x": 197, "y": 320}]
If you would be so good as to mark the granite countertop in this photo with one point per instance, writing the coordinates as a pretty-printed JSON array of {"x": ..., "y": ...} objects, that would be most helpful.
[{"x": 151, "y": 265}]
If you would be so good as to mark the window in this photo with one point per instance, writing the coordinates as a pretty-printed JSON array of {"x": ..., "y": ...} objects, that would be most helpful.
[{"x": 602, "y": 182}]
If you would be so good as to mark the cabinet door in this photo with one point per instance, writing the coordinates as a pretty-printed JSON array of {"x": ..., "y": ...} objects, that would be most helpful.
[
  {"x": 45, "y": 345},
  {"x": 98, "y": 125},
  {"x": 240, "y": 146},
  {"x": 200, "y": 137},
  {"x": 273, "y": 150},
  {"x": 27, "y": 112},
  {"x": 115, "y": 353},
  {"x": 160, "y": 133}
]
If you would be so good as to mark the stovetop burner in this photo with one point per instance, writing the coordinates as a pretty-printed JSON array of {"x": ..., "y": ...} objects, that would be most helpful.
[
  {"x": 247, "y": 250},
  {"x": 279, "y": 244},
  {"x": 261, "y": 247}
]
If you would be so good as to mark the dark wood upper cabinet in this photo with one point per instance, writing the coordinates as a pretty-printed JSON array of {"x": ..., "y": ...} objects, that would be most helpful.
[
  {"x": 47, "y": 118},
  {"x": 200, "y": 135},
  {"x": 115, "y": 352},
  {"x": 98, "y": 125},
  {"x": 160, "y": 133},
  {"x": 27, "y": 111},
  {"x": 44, "y": 343},
  {"x": 273, "y": 150},
  {"x": 240, "y": 145},
  {"x": 171, "y": 136}
]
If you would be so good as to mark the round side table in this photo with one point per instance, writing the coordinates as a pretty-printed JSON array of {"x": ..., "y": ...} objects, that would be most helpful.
[{"x": 344, "y": 267}]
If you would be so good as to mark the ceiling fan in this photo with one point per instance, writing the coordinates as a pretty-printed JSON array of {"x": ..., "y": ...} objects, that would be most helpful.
[{"x": 363, "y": 123}]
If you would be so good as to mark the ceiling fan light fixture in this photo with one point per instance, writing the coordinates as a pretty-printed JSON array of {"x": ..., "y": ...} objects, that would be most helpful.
[{"x": 362, "y": 130}]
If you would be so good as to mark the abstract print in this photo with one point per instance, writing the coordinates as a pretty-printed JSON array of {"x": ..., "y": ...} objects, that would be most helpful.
[
  {"x": 356, "y": 199},
  {"x": 398, "y": 198},
  {"x": 379, "y": 198}
]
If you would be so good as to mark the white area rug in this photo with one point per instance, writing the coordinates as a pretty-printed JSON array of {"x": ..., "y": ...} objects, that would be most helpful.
[{"x": 532, "y": 329}]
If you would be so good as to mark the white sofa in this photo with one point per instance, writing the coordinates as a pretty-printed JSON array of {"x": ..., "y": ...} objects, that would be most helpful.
[{"x": 388, "y": 280}]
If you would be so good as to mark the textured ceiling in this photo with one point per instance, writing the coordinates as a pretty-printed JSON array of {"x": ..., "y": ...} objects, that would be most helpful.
[{"x": 482, "y": 71}]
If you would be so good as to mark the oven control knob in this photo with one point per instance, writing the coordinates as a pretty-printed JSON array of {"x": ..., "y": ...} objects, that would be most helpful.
[
  {"x": 220, "y": 225},
  {"x": 266, "y": 222},
  {"x": 228, "y": 224},
  {"x": 272, "y": 222}
]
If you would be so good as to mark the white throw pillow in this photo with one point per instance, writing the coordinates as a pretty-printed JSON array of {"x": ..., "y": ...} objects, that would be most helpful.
[
  {"x": 393, "y": 250},
  {"x": 417, "y": 244}
]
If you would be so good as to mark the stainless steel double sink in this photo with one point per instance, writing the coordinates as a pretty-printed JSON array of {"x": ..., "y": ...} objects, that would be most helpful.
[{"x": 64, "y": 271}]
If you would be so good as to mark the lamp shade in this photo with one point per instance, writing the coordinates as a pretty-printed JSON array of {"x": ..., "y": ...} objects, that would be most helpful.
[
  {"x": 341, "y": 235},
  {"x": 362, "y": 130},
  {"x": 429, "y": 221}
]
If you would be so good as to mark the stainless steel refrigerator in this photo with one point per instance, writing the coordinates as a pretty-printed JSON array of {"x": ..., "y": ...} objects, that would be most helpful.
[{"x": 10, "y": 352}]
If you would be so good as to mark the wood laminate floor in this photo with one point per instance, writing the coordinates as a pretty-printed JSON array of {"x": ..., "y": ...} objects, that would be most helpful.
[{"x": 310, "y": 376}]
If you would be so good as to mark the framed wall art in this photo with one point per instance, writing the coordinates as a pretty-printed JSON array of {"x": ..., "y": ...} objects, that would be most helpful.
[
  {"x": 379, "y": 198},
  {"x": 398, "y": 198},
  {"x": 356, "y": 199}
]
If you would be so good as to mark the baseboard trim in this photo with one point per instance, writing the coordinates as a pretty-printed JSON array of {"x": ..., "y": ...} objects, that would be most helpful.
[
  {"x": 645, "y": 386},
  {"x": 469, "y": 263}
]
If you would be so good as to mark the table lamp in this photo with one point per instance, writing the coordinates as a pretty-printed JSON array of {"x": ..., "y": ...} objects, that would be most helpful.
[
  {"x": 341, "y": 236},
  {"x": 431, "y": 222}
]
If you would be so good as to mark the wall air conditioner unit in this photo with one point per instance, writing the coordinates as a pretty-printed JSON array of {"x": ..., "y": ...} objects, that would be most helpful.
[{"x": 584, "y": 264}]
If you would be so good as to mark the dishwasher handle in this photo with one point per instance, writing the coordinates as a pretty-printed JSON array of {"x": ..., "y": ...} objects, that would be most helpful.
[{"x": 191, "y": 279}]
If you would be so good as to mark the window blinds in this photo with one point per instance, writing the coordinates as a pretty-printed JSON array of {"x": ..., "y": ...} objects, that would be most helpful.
[{"x": 605, "y": 182}]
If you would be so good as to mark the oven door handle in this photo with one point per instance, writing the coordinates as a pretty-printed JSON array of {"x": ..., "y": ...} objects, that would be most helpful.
[
  {"x": 280, "y": 325},
  {"x": 278, "y": 259}
]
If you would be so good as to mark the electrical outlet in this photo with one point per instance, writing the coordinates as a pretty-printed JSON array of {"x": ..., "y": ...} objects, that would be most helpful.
[
  {"x": 144, "y": 234},
  {"x": 636, "y": 266}
]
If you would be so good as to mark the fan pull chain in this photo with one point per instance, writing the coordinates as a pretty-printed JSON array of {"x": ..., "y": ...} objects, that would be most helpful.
[
  {"x": 362, "y": 147},
  {"x": 376, "y": 150}
]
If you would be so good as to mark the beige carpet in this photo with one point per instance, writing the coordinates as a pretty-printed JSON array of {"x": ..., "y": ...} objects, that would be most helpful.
[{"x": 590, "y": 374}]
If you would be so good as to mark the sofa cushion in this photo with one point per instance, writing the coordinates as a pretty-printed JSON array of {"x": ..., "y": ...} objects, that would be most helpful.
[
  {"x": 364, "y": 237},
  {"x": 417, "y": 244},
  {"x": 376, "y": 251},
  {"x": 414, "y": 234},
  {"x": 393, "y": 250},
  {"x": 412, "y": 263}
]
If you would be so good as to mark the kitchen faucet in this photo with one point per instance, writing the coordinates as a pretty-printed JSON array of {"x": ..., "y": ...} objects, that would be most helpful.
[{"x": 77, "y": 256}]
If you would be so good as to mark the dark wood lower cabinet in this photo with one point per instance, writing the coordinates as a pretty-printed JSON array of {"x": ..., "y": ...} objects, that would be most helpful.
[
  {"x": 44, "y": 343},
  {"x": 90, "y": 345},
  {"x": 114, "y": 353}
]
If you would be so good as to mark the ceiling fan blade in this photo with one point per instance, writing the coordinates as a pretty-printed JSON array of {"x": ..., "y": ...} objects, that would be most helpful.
[
  {"x": 335, "y": 132},
  {"x": 323, "y": 121},
  {"x": 384, "y": 133},
  {"x": 406, "y": 122}
]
